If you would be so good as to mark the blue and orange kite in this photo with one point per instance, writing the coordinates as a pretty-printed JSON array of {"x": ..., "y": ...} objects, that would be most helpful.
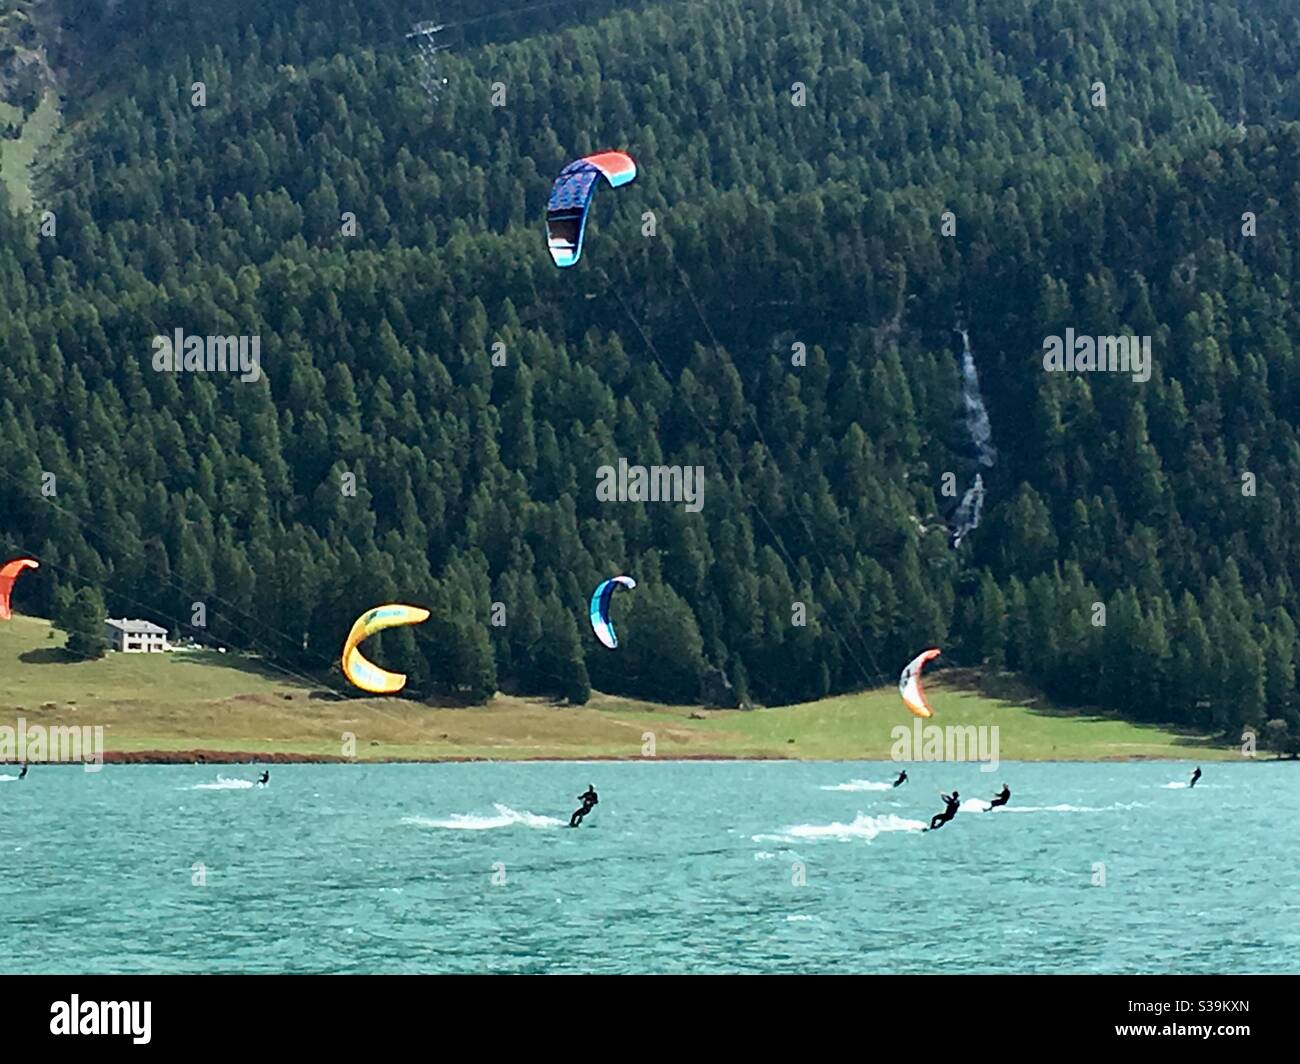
[{"x": 566, "y": 210}]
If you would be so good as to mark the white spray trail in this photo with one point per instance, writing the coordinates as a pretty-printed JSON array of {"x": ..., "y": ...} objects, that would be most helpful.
[{"x": 971, "y": 507}]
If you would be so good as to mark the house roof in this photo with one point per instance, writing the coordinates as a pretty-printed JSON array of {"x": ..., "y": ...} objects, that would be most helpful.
[{"x": 133, "y": 627}]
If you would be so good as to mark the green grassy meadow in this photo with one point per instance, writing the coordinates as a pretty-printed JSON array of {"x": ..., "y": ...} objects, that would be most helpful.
[{"x": 230, "y": 703}]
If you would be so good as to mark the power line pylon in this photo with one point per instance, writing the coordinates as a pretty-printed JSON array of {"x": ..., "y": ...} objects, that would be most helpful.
[{"x": 425, "y": 36}]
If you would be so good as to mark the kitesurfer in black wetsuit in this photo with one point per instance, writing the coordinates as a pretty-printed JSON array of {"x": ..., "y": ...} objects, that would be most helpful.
[
  {"x": 1195, "y": 776},
  {"x": 266, "y": 775},
  {"x": 951, "y": 803},
  {"x": 1001, "y": 798},
  {"x": 902, "y": 778},
  {"x": 24, "y": 771},
  {"x": 588, "y": 801}
]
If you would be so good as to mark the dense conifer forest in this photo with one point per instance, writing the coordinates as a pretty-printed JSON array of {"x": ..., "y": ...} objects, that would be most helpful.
[{"x": 829, "y": 191}]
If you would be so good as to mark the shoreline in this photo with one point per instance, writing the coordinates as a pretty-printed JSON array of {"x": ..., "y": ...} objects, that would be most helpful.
[{"x": 235, "y": 757}]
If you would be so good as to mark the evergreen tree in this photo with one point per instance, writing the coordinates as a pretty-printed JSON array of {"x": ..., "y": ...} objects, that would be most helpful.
[{"x": 84, "y": 623}]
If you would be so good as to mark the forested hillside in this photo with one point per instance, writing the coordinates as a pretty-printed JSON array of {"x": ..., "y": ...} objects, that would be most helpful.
[{"x": 946, "y": 165}]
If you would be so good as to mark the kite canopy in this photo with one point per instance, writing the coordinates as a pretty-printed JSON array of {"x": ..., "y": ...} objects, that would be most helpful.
[
  {"x": 363, "y": 673},
  {"x": 9, "y": 572},
  {"x": 566, "y": 210},
  {"x": 600, "y": 622},
  {"x": 909, "y": 684}
]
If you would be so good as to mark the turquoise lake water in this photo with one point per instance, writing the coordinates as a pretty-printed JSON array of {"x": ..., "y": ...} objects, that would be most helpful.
[{"x": 683, "y": 867}]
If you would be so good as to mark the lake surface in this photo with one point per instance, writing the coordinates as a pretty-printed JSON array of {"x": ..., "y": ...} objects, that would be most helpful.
[{"x": 682, "y": 867}]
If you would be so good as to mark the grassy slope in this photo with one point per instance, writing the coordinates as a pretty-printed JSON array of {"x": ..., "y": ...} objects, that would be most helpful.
[
  {"x": 16, "y": 156},
  {"x": 224, "y": 702}
]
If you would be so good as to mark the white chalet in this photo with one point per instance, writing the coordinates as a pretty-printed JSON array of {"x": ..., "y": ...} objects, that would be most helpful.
[{"x": 135, "y": 637}]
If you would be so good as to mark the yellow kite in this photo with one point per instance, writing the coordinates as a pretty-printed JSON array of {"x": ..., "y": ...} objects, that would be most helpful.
[{"x": 363, "y": 673}]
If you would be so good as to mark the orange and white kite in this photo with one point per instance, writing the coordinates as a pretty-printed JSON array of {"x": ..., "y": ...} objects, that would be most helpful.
[{"x": 909, "y": 684}]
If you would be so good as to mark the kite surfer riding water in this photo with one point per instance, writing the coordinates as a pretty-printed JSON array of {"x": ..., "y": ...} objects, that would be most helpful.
[
  {"x": 902, "y": 778},
  {"x": 951, "y": 803},
  {"x": 1001, "y": 798},
  {"x": 588, "y": 801},
  {"x": 1195, "y": 776}
]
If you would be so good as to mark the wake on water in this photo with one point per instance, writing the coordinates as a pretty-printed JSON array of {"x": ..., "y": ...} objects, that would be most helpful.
[
  {"x": 868, "y": 827},
  {"x": 8, "y": 779},
  {"x": 1064, "y": 808},
  {"x": 863, "y": 827},
  {"x": 505, "y": 818},
  {"x": 224, "y": 784},
  {"x": 859, "y": 785}
]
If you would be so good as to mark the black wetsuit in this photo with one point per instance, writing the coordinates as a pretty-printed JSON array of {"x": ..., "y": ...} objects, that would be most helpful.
[
  {"x": 23, "y": 772},
  {"x": 1001, "y": 798},
  {"x": 902, "y": 778},
  {"x": 266, "y": 776},
  {"x": 1195, "y": 776},
  {"x": 951, "y": 805},
  {"x": 589, "y": 801}
]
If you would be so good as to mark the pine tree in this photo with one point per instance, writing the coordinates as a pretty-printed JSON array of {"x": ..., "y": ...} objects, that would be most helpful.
[{"x": 84, "y": 623}]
